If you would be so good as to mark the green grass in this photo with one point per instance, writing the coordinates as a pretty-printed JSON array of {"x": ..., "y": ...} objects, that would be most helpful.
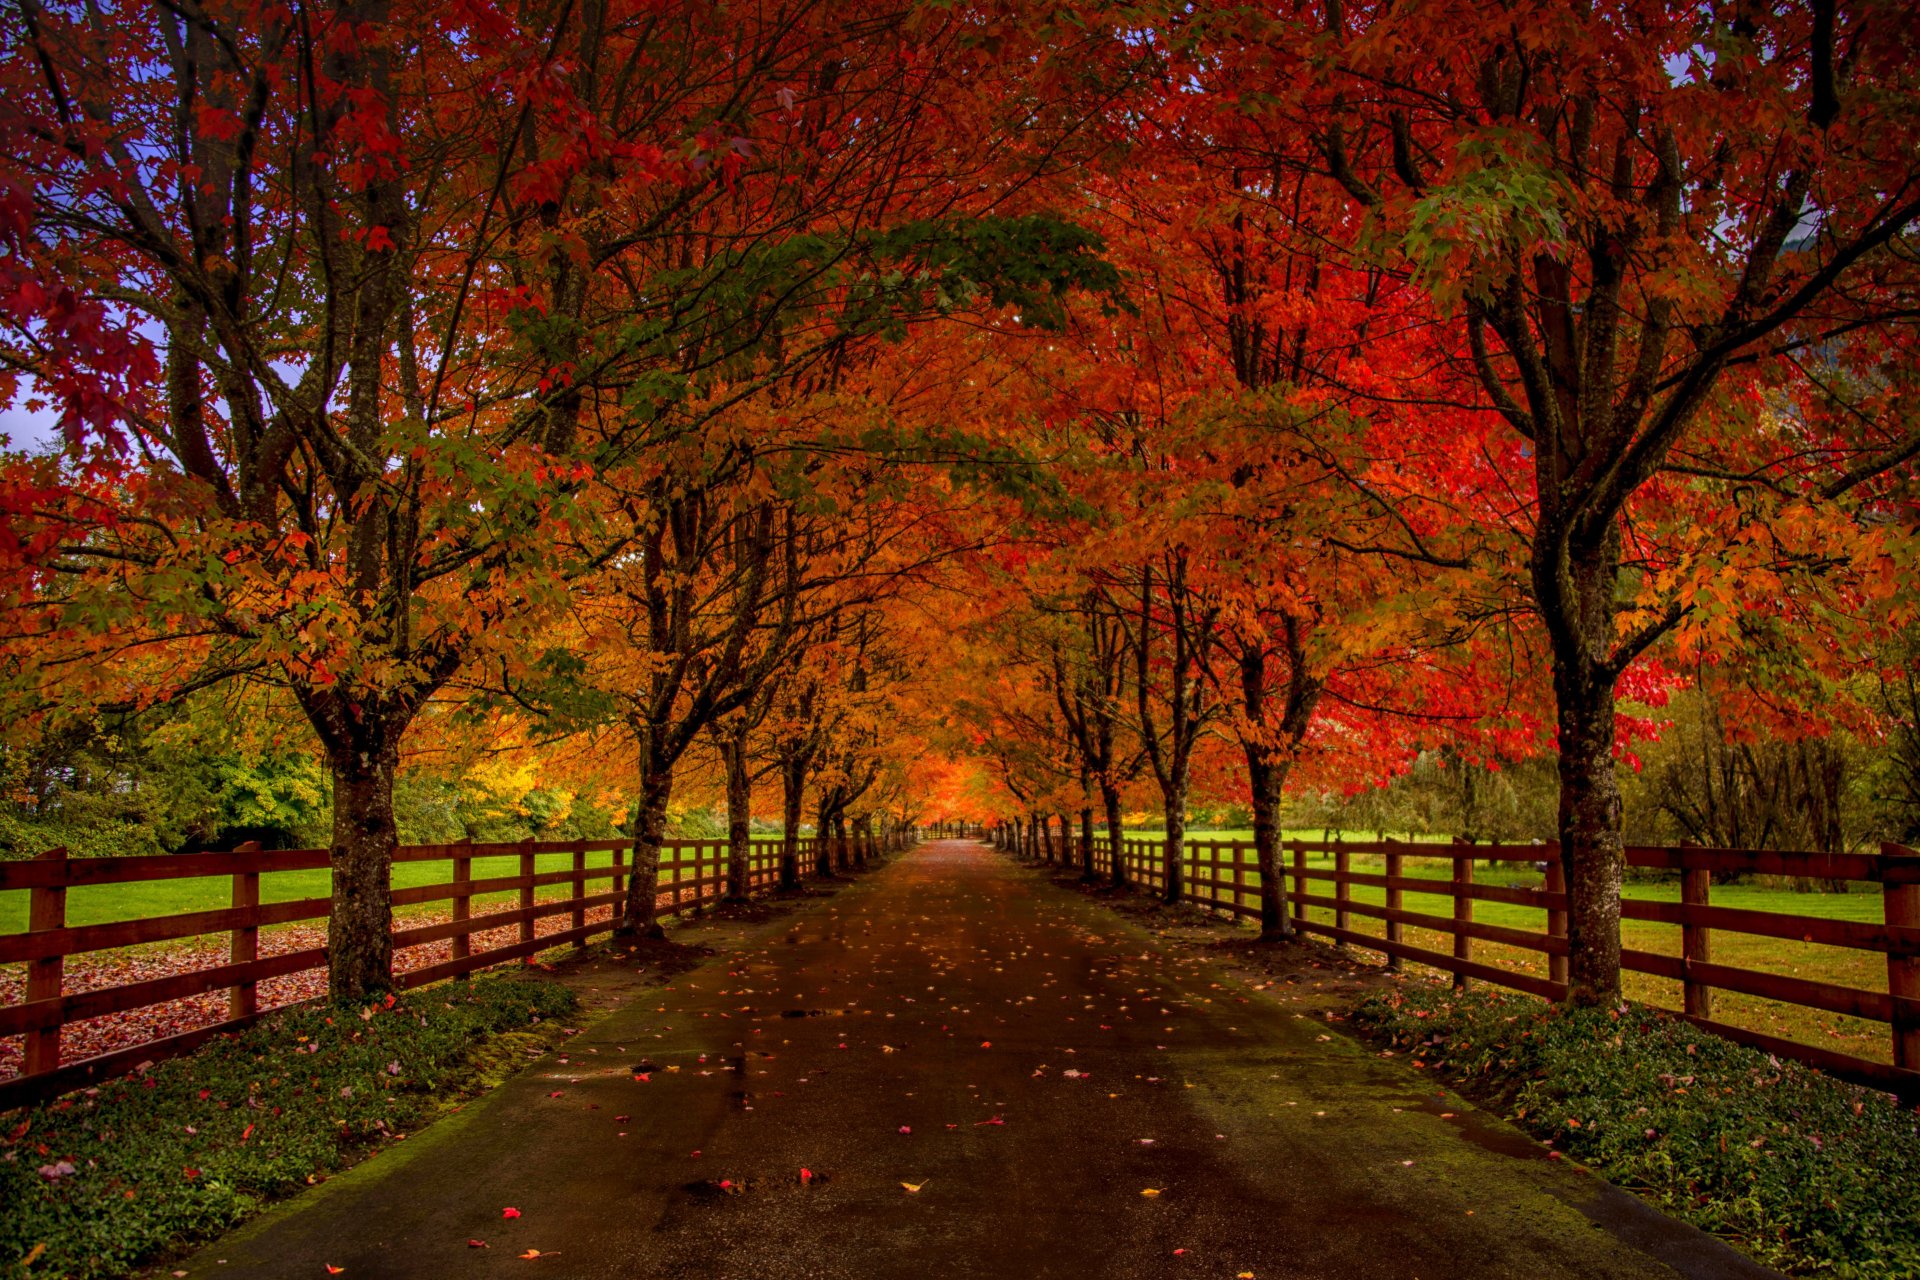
[
  {"x": 99, "y": 1183},
  {"x": 1844, "y": 966},
  {"x": 100, "y": 904},
  {"x": 1809, "y": 1175}
]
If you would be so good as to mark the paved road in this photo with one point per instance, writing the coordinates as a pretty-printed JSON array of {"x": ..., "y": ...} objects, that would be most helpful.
[{"x": 1071, "y": 1099}]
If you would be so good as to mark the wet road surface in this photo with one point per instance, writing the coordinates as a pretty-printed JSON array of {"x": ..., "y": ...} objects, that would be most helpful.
[{"x": 1070, "y": 1098}]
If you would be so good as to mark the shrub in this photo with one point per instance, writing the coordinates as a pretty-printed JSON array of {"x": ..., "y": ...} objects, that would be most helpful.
[
  {"x": 1807, "y": 1173},
  {"x": 97, "y": 1183}
]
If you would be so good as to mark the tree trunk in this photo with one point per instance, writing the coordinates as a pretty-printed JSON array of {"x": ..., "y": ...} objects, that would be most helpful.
[
  {"x": 1173, "y": 850},
  {"x": 1066, "y": 840},
  {"x": 1110, "y": 796},
  {"x": 823, "y": 842},
  {"x": 739, "y": 818},
  {"x": 360, "y": 927},
  {"x": 1266, "y": 779},
  {"x": 1590, "y": 844},
  {"x": 1086, "y": 845},
  {"x": 862, "y": 837},
  {"x": 641, "y": 918},
  {"x": 793, "y": 794},
  {"x": 840, "y": 857}
]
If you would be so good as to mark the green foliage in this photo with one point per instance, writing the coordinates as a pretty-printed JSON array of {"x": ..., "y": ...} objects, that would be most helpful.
[
  {"x": 1807, "y": 1173},
  {"x": 151, "y": 1163},
  {"x": 157, "y": 783}
]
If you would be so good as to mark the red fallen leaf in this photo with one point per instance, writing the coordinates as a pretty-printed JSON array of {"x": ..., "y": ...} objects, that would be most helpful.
[
  {"x": 906, "y": 1128},
  {"x": 509, "y": 1212},
  {"x": 986, "y": 1044},
  {"x": 996, "y": 1120},
  {"x": 556, "y": 1093},
  {"x": 333, "y": 1270},
  {"x": 622, "y": 1119},
  {"x": 478, "y": 1244},
  {"x": 191, "y": 1172},
  {"x": 643, "y": 1076},
  {"x": 806, "y": 1175},
  {"x": 246, "y": 1133}
]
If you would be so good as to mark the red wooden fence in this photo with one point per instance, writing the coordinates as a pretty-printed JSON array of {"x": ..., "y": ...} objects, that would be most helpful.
[
  {"x": 693, "y": 875},
  {"x": 1223, "y": 875}
]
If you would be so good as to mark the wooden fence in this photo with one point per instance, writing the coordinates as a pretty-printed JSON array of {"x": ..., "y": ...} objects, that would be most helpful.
[
  {"x": 1223, "y": 875},
  {"x": 693, "y": 875}
]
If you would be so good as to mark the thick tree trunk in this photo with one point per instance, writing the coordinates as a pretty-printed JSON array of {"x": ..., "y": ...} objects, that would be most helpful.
[
  {"x": 1266, "y": 779},
  {"x": 823, "y": 842},
  {"x": 1590, "y": 844},
  {"x": 793, "y": 795},
  {"x": 360, "y": 927},
  {"x": 1086, "y": 845},
  {"x": 641, "y": 917},
  {"x": 1173, "y": 851},
  {"x": 739, "y": 819},
  {"x": 1110, "y": 797}
]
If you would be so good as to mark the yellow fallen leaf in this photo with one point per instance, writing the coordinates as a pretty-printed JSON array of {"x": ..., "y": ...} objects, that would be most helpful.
[
  {"x": 913, "y": 1186},
  {"x": 33, "y": 1254},
  {"x": 1151, "y": 1191}
]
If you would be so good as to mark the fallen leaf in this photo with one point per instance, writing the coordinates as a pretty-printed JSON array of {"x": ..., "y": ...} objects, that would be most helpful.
[
  {"x": 333, "y": 1270},
  {"x": 509, "y": 1212},
  {"x": 1150, "y": 1192},
  {"x": 478, "y": 1244},
  {"x": 531, "y": 1254},
  {"x": 913, "y": 1186}
]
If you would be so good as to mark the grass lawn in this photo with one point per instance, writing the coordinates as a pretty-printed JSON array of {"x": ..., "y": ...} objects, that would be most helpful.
[
  {"x": 99, "y": 904},
  {"x": 1845, "y": 966}
]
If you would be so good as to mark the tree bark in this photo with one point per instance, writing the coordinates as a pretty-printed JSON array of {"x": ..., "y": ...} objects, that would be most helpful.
[
  {"x": 1110, "y": 797},
  {"x": 360, "y": 926},
  {"x": 1173, "y": 850},
  {"x": 823, "y": 841},
  {"x": 1086, "y": 845},
  {"x": 793, "y": 794},
  {"x": 1266, "y": 779},
  {"x": 641, "y": 917},
  {"x": 739, "y": 817},
  {"x": 1590, "y": 843},
  {"x": 841, "y": 858}
]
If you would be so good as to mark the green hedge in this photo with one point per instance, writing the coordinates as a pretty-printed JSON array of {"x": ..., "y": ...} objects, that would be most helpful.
[
  {"x": 1808, "y": 1174},
  {"x": 95, "y": 1184}
]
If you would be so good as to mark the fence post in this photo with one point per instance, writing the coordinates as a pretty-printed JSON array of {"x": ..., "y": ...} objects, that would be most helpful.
[
  {"x": 528, "y": 867},
  {"x": 46, "y": 909},
  {"x": 1696, "y": 940},
  {"x": 1396, "y": 865},
  {"x": 1901, "y": 905},
  {"x": 1341, "y": 918},
  {"x": 619, "y": 882},
  {"x": 463, "y": 900},
  {"x": 1556, "y": 917},
  {"x": 243, "y": 998},
  {"x": 1462, "y": 914},
  {"x": 580, "y": 891}
]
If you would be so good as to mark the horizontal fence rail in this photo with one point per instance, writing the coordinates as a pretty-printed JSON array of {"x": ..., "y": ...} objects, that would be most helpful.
[
  {"x": 1319, "y": 879},
  {"x": 585, "y": 891}
]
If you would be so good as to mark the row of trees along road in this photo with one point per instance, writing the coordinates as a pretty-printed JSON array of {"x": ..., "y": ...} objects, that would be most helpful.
[{"x": 1171, "y": 398}]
